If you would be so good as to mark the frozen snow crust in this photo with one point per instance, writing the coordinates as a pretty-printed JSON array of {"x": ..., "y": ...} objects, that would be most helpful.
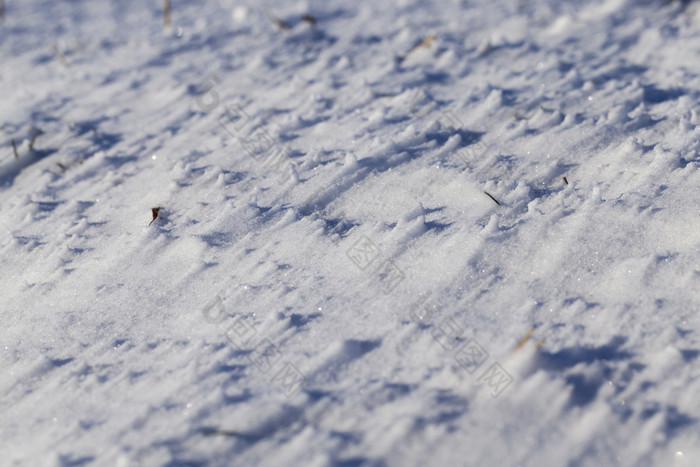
[{"x": 392, "y": 233}]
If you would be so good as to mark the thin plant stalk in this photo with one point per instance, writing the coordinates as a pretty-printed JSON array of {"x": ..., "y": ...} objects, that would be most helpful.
[{"x": 166, "y": 13}]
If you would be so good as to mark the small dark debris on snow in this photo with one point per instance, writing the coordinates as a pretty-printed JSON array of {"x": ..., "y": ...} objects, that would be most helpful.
[
  {"x": 494, "y": 199},
  {"x": 59, "y": 56},
  {"x": 565, "y": 180},
  {"x": 424, "y": 43},
  {"x": 522, "y": 341},
  {"x": 36, "y": 135},
  {"x": 166, "y": 13},
  {"x": 309, "y": 19},
  {"x": 211, "y": 431},
  {"x": 278, "y": 22},
  {"x": 155, "y": 212},
  {"x": 14, "y": 149}
]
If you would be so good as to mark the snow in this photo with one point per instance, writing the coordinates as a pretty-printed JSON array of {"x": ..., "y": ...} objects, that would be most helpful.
[{"x": 412, "y": 233}]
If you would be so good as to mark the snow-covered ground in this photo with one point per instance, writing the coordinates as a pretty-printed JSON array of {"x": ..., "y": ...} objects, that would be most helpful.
[{"x": 392, "y": 233}]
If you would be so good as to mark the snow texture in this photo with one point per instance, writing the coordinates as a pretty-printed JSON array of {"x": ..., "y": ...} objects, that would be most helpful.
[{"x": 391, "y": 233}]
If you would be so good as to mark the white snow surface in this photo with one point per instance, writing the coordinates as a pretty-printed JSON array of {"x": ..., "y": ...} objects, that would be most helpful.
[{"x": 328, "y": 281}]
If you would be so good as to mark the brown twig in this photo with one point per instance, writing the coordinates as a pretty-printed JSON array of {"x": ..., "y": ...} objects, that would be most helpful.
[
  {"x": 523, "y": 340},
  {"x": 280, "y": 24},
  {"x": 31, "y": 143},
  {"x": 309, "y": 19},
  {"x": 494, "y": 199},
  {"x": 166, "y": 14},
  {"x": 565, "y": 180},
  {"x": 219, "y": 432},
  {"x": 424, "y": 43},
  {"x": 61, "y": 58}
]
